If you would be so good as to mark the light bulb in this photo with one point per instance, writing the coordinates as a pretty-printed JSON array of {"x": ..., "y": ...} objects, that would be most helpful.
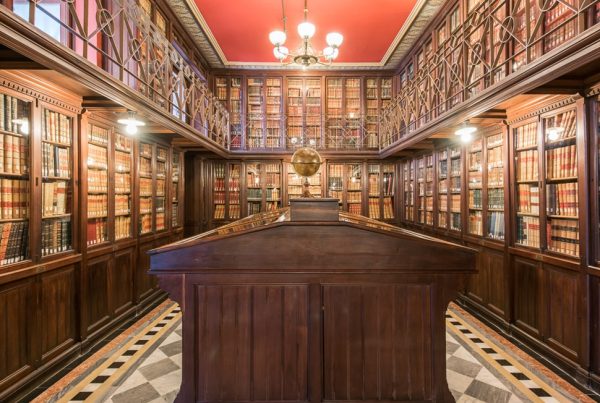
[
  {"x": 131, "y": 129},
  {"x": 328, "y": 52},
  {"x": 466, "y": 137},
  {"x": 281, "y": 52},
  {"x": 306, "y": 30},
  {"x": 553, "y": 133},
  {"x": 465, "y": 129},
  {"x": 277, "y": 38},
  {"x": 334, "y": 39},
  {"x": 24, "y": 127}
]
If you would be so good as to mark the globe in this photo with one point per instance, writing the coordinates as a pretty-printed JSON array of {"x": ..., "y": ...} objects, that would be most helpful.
[{"x": 306, "y": 161}]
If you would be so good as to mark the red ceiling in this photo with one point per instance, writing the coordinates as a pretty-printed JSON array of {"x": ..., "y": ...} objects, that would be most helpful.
[{"x": 241, "y": 27}]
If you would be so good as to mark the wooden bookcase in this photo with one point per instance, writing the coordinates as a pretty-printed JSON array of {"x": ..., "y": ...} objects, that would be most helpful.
[
  {"x": 343, "y": 112},
  {"x": 263, "y": 186},
  {"x": 345, "y": 182},
  {"x": 378, "y": 94},
  {"x": 381, "y": 191},
  {"x": 98, "y": 184},
  {"x": 225, "y": 197},
  {"x": 146, "y": 188},
  {"x": 124, "y": 178},
  {"x": 408, "y": 178},
  {"x": 230, "y": 92},
  {"x": 255, "y": 114},
  {"x": 304, "y": 111},
  {"x": 15, "y": 171}
]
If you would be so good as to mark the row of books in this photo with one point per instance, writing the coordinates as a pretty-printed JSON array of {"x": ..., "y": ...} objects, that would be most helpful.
[
  {"x": 564, "y": 125},
  {"x": 98, "y": 135},
  {"x": 561, "y": 199},
  {"x": 56, "y": 236},
  {"x": 122, "y": 206},
  {"x": 145, "y": 187},
  {"x": 160, "y": 221},
  {"x": 122, "y": 162},
  {"x": 12, "y": 110},
  {"x": 219, "y": 197},
  {"x": 563, "y": 236},
  {"x": 14, "y": 154},
  {"x": 55, "y": 161},
  {"x": 161, "y": 169},
  {"x": 14, "y": 200},
  {"x": 495, "y": 177},
  {"x": 160, "y": 187},
  {"x": 145, "y": 224},
  {"x": 355, "y": 208},
  {"x": 97, "y": 231},
  {"x": 496, "y": 198},
  {"x": 526, "y": 136},
  {"x": 528, "y": 199},
  {"x": 55, "y": 200},
  {"x": 254, "y": 193},
  {"x": 388, "y": 208},
  {"x": 354, "y": 197},
  {"x": 14, "y": 242},
  {"x": 475, "y": 199},
  {"x": 253, "y": 208},
  {"x": 273, "y": 194},
  {"x": 56, "y": 127},
  {"x": 475, "y": 224},
  {"x": 161, "y": 154},
  {"x": 374, "y": 208},
  {"x": 122, "y": 227},
  {"x": 145, "y": 150},
  {"x": 122, "y": 183},
  {"x": 97, "y": 181},
  {"x": 219, "y": 211},
  {"x": 145, "y": 167},
  {"x": 528, "y": 231},
  {"x": 123, "y": 143},
  {"x": 145, "y": 205},
  {"x": 561, "y": 162},
  {"x": 97, "y": 206},
  {"x": 455, "y": 224},
  {"x": 527, "y": 165},
  {"x": 496, "y": 225},
  {"x": 475, "y": 180}
]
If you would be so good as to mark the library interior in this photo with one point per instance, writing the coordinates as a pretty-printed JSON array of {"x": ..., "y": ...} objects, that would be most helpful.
[{"x": 299, "y": 200}]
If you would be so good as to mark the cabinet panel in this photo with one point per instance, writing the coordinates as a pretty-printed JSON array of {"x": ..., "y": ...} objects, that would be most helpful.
[
  {"x": 595, "y": 324},
  {"x": 527, "y": 295},
  {"x": 144, "y": 283},
  {"x": 365, "y": 356},
  {"x": 16, "y": 311},
  {"x": 122, "y": 280},
  {"x": 98, "y": 289},
  {"x": 58, "y": 310},
  {"x": 496, "y": 281},
  {"x": 562, "y": 323},
  {"x": 259, "y": 338}
]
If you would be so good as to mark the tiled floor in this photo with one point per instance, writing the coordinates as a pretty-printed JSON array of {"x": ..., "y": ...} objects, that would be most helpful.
[{"x": 478, "y": 369}]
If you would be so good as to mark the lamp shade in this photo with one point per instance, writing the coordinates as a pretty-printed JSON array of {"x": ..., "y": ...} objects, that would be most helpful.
[
  {"x": 306, "y": 30},
  {"x": 277, "y": 38},
  {"x": 334, "y": 39},
  {"x": 281, "y": 52},
  {"x": 331, "y": 53}
]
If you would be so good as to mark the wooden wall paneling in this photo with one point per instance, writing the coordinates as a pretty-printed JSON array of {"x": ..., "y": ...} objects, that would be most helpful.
[
  {"x": 478, "y": 284},
  {"x": 143, "y": 282},
  {"x": 194, "y": 194},
  {"x": 562, "y": 311},
  {"x": 18, "y": 332},
  {"x": 121, "y": 281},
  {"x": 497, "y": 282},
  {"x": 595, "y": 326},
  {"x": 528, "y": 296},
  {"x": 98, "y": 286},
  {"x": 58, "y": 297}
]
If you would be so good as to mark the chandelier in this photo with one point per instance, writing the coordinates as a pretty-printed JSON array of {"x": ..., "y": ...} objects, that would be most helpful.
[{"x": 305, "y": 55}]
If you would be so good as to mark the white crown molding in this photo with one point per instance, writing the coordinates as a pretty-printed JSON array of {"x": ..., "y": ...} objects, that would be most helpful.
[{"x": 194, "y": 22}]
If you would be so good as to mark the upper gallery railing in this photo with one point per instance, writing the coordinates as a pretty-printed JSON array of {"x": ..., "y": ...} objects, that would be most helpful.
[
  {"x": 120, "y": 38},
  {"x": 498, "y": 38}
]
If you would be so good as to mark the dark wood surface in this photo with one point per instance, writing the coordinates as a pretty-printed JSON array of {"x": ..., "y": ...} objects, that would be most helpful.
[{"x": 313, "y": 311}]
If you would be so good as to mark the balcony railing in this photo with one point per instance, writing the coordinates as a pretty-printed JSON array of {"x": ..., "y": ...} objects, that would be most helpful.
[
  {"x": 123, "y": 41},
  {"x": 498, "y": 39},
  {"x": 282, "y": 133}
]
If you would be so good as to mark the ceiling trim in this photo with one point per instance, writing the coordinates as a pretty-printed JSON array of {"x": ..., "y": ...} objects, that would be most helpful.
[{"x": 193, "y": 20}]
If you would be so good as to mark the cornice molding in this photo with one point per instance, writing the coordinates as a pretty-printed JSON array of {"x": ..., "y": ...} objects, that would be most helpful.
[
  {"x": 545, "y": 109},
  {"x": 193, "y": 21}
]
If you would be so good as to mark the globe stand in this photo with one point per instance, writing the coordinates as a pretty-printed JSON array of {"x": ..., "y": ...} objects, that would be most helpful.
[{"x": 306, "y": 189}]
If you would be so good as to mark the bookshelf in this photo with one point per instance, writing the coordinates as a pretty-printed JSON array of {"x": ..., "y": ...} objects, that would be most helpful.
[
  {"x": 219, "y": 193},
  {"x": 304, "y": 114},
  {"x": 442, "y": 188},
  {"x": 475, "y": 187},
  {"x": 146, "y": 194},
  {"x": 226, "y": 192},
  {"x": 343, "y": 110},
  {"x": 263, "y": 186},
  {"x": 561, "y": 181},
  {"x": 228, "y": 90},
  {"x": 274, "y": 112},
  {"x": 160, "y": 198},
  {"x": 408, "y": 174},
  {"x": 234, "y": 170},
  {"x": 378, "y": 94},
  {"x": 123, "y": 146},
  {"x": 353, "y": 112},
  {"x": 97, "y": 184},
  {"x": 425, "y": 189},
  {"x": 335, "y": 114},
  {"x": 57, "y": 182},
  {"x": 345, "y": 182},
  {"x": 15, "y": 124},
  {"x": 255, "y": 103},
  {"x": 455, "y": 189},
  {"x": 381, "y": 191},
  {"x": 175, "y": 195},
  {"x": 527, "y": 184},
  {"x": 295, "y": 183},
  {"x": 495, "y": 220}
]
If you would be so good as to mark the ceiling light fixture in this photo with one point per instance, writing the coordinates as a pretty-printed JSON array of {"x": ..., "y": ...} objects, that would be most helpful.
[
  {"x": 465, "y": 132},
  {"x": 554, "y": 133},
  {"x": 131, "y": 123},
  {"x": 305, "y": 55}
]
